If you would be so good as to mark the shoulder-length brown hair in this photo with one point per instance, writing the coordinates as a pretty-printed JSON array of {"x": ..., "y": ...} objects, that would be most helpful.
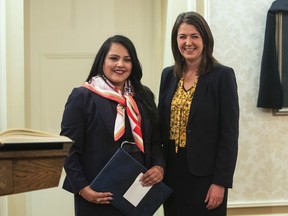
[{"x": 208, "y": 61}]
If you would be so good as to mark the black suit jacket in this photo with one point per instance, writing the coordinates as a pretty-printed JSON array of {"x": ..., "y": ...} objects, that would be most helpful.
[
  {"x": 89, "y": 119},
  {"x": 212, "y": 130}
]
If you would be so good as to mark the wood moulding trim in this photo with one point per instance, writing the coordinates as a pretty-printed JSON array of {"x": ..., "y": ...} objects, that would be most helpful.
[{"x": 275, "y": 203}]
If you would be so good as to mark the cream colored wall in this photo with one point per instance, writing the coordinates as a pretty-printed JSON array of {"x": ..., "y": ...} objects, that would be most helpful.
[
  {"x": 3, "y": 97},
  {"x": 3, "y": 110},
  {"x": 261, "y": 177},
  {"x": 15, "y": 79},
  {"x": 12, "y": 75}
]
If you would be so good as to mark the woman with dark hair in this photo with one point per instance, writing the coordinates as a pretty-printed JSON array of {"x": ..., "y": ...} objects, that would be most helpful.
[
  {"x": 199, "y": 122},
  {"x": 110, "y": 108}
]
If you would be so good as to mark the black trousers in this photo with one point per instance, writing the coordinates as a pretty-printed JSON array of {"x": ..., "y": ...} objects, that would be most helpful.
[{"x": 189, "y": 192}]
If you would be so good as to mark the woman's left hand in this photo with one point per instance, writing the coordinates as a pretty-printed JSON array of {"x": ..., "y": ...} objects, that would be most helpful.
[
  {"x": 215, "y": 196},
  {"x": 153, "y": 176}
]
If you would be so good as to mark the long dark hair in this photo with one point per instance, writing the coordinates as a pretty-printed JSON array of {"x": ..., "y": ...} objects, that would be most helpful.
[
  {"x": 195, "y": 19},
  {"x": 142, "y": 93}
]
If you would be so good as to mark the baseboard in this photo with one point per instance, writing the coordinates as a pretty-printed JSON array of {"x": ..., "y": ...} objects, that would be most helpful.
[
  {"x": 273, "y": 208},
  {"x": 258, "y": 204}
]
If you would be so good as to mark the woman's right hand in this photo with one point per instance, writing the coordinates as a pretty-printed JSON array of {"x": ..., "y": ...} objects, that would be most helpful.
[{"x": 96, "y": 197}]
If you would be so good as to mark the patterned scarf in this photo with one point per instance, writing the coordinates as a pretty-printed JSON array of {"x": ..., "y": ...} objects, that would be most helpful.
[{"x": 108, "y": 90}]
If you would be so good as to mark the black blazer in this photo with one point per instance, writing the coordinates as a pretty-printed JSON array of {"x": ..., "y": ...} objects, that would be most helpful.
[
  {"x": 213, "y": 124},
  {"x": 89, "y": 119}
]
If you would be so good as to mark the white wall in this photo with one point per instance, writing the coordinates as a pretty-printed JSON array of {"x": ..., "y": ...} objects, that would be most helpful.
[
  {"x": 2, "y": 65},
  {"x": 261, "y": 177},
  {"x": 3, "y": 200}
]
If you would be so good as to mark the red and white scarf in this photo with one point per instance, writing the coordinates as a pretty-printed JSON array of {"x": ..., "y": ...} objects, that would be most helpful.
[{"x": 108, "y": 90}]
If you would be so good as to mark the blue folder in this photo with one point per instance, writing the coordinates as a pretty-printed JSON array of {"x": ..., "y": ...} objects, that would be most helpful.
[{"x": 118, "y": 175}]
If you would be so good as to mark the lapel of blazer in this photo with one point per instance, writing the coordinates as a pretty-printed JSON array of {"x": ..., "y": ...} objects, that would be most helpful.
[
  {"x": 170, "y": 94},
  {"x": 106, "y": 111},
  {"x": 198, "y": 95}
]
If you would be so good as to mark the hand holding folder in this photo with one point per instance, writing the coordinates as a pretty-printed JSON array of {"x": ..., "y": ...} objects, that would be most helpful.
[{"x": 120, "y": 176}]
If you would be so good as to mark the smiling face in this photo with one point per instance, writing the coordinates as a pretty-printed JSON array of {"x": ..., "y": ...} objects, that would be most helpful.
[
  {"x": 190, "y": 43},
  {"x": 117, "y": 65}
]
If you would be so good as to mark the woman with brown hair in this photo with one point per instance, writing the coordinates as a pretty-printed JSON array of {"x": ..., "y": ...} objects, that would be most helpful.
[{"x": 199, "y": 122}]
